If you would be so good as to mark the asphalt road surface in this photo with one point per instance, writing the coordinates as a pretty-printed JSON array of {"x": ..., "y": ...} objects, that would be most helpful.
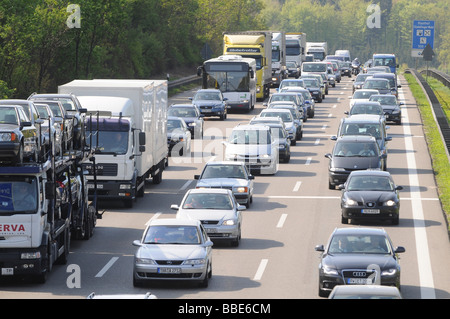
[{"x": 292, "y": 212}]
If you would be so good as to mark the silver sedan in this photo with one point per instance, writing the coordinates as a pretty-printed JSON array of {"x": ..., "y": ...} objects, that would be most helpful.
[
  {"x": 217, "y": 210},
  {"x": 173, "y": 249}
]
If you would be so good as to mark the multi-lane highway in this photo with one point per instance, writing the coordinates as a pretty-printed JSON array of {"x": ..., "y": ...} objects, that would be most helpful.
[{"x": 292, "y": 212}]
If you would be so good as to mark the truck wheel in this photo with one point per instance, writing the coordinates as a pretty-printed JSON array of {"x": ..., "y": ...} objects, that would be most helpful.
[{"x": 157, "y": 179}]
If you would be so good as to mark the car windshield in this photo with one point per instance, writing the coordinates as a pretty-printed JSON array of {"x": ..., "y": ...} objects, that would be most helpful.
[
  {"x": 311, "y": 83},
  {"x": 370, "y": 129},
  {"x": 181, "y": 112},
  {"x": 8, "y": 115},
  {"x": 366, "y": 109},
  {"x": 298, "y": 83},
  {"x": 184, "y": 235},
  {"x": 56, "y": 110},
  {"x": 355, "y": 149},
  {"x": 110, "y": 142},
  {"x": 43, "y": 112},
  {"x": 359, "y": 244},
  {"x": 376, "y": 84},
  {"x": 258, "y": 137},
  {"x": 223, "y": 171},
  {"x": 174, "y": 125},
  {"x": 370, "y": 183},
  {"x": 316, "y": 67},
  {"x": 285, "y": 116},
  {"x": 283, "y": 97},
  {"x": 362, "y": 77},
  {"x": 210, "y": 96},
  {"x": 19, "y": 195},
  {"x": 291, "y": 64},
  {"x": 359, "y": 94},
  {"x": 207, "y": 201},
  {"x": 384, "y": 99}
]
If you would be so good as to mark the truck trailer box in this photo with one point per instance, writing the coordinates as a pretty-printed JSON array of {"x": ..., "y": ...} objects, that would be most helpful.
[{"x": 135, "y": 106}]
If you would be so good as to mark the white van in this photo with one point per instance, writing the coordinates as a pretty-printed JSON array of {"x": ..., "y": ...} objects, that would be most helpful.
[{"x": 344, "y": 53}]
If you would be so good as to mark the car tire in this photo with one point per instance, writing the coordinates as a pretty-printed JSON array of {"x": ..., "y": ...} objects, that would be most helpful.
[
  {"x": 205, "y": 282},
  {"x": 323, "y": 293},
  {"x": 331, "y": 186},
  {"x": 344, "y": 220}
]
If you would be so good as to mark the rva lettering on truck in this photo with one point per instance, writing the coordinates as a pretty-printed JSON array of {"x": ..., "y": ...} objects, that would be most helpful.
[{"x": 131, "y": 145}]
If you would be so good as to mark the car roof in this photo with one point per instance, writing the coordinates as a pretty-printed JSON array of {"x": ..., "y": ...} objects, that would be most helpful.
[
  {"x": 367, "y": 90},
  {"x": 367, "y": 290},
  {"x": 182, "y": 105},
  {"x": 358, "y": 102},
  {"x": 356, "y": 138},
  {"x": 383, "y": 75},
  {"x": 370, "y": 172},
  {"x": 359, "y": 231},
  {"x": 208, "y": 191},
  {"x": 376, "y": 79},
  {"x": 224, "y": 163},
  {"x": 174, "y": 222},
  {"x": 251, "y": 127},
  {"x": 275, "y": 110},
  {"x": 209, "y": 90},
  {"x": 362, "y": 118}
]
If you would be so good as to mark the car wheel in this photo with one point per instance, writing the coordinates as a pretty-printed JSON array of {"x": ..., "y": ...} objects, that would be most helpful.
[
  {"x": 293, "y": 142},
  {"x": 205, "y": 282},
  {"x": 323, "y": 293},
  {"x": 331, "y": 186},
  {"x": 235, "y": 242},
  {"x": 396, "y": 220}
]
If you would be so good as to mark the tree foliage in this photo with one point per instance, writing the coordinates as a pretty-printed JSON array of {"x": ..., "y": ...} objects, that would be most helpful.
[{"x": 145, "y": 38}]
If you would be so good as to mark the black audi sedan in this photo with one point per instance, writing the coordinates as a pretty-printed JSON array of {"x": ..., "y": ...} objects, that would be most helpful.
[
  {"x": 353, "y": 153},
  {"x": 370, "y": 195},
  {"x": 358, "y": 256}
]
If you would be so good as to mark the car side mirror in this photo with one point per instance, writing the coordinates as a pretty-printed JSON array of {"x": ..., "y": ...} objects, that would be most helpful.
[
  {"x": 341, "y": 186},
  {"x": 196, "y": 176},
  {"x": 174, "y": 207},
  {"x": 319, "y": 248},
  {"x": 251, "y": 177},
  {"x": 399, "y": 188},
  {"x": 241, "y": 207},
  {"x": 137, "y": 243},
  {"x": 328, "y": 155},
  {"x": 399, "y": 249}
]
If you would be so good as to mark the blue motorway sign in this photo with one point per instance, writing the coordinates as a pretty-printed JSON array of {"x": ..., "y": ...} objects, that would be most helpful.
[{"x": 423, "y": 34}]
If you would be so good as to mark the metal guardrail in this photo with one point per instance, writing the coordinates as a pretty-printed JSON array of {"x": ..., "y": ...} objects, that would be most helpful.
[
  {"x": 438, "y": 75},
  {"x": 436, "y": 107},
  {"x": 184, "y": 81}
]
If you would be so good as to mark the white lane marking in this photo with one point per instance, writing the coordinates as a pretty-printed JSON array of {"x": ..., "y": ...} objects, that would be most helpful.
[
  {"x": 324, "y": 127},
  {"x": 261, "y": 268},
  {"x": 281, "y": 221},
  {"x": 154, "y": 217},
  {"x": 297, "y": 186},
  {"x": 427, "y": 290},
  {"x": 186, "y": 185},
  {"x": 334, "y": 106},
  {"x": 107, "y": 266},
  {"x": 317, "y": 141},
  {"x": 330, "y": 115},
  {"x": 308, "y": 161}
]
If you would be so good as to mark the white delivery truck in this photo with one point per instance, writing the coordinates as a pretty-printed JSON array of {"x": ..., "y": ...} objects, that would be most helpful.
[
  {"x": 318, "y": 49},
  {"x": 131, "y": 146},
  {"x": 296, "y": 47}
]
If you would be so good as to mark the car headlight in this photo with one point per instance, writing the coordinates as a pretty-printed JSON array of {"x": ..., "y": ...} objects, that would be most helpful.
[
  {"x": 329, "y": 271},
  {"x": 30, "y": 255},
  {"x": 193, "y": 262},
  {"x": 389, "y": 203},
  {"x": 192, "y": 124},
  {"x": 389, "y": 272},
  {"x": 7, "y": 137},
  {"x": 145, "y": 261},
  {"x": 265, "y": 156},
  {"x": 242, "y": 189},
  {"x": 125, "y": 186},
  {"x": 229, "y": 222},
  {"x": 337, "y": 169},
  {"x": 351, "y": 202}
]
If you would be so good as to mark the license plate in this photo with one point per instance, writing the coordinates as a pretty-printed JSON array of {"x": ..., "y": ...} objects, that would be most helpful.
[
  {"x": 99, "y": 186},
  {"x": 168, "y": 270},
  {"x": 211, "y": 230},
  {"x": 7, "y": 271},
  {"x": 370, "y": 211},
  {"x": 206, "y": 110},
  {"x": 359, "y": 281}
]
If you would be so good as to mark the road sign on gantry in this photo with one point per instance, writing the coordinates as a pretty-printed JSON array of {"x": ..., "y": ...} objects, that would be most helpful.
[{"x": 422, "y": 35}]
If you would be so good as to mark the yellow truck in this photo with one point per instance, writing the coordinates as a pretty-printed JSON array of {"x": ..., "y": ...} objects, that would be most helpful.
[{"x": 256, "y": 45}]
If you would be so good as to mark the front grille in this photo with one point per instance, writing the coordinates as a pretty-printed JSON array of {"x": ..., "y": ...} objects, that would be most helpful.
[
  {"x": 169, "y": 262},
  {"x": 209, "y": 222},
  {"x": 102, "y": 169},
  {"x": 351, "y": 274}
]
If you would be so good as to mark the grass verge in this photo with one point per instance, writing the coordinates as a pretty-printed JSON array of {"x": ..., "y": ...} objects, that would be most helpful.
[{"x": 440, "y": 162}]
